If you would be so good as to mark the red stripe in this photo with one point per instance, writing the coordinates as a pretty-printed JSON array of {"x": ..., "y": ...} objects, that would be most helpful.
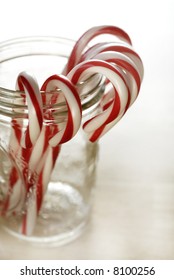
[
  {"x": 34, "y": 99},
  {"x": 93, "y": 63},
  {"x": 67, "y": 82},
  {"x": 126, "y": 65},
  {"x": 69, "y": 130},
  {"x": 115, "y": 104},
  {"x": 24, "y": 224},
  {"x": 56, "y": 151},
  {"x": 95, "y": 136},
  {"x": 121, "y": 49},
  {"x": 114, "y": 48},
  {"x": 114, "y": 30},
  {"x": 17, "y": 130},
  {"x": 28, "y": 143},
  {"x": 115, "y": 109},
  {"x": 39, "y": 191}
]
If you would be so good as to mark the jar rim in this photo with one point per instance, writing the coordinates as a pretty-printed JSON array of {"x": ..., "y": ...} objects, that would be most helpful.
[
  {"x": 11, "y": 43},
  {"x": 90, "y": 97}
]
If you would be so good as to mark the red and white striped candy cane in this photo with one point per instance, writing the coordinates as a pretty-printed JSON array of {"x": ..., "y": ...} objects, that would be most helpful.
[
  {"x": 44, "y": 166},
  {"x": 16, "y": 199},
  {"x": 35, "y": 200},
  {"x": 26, "y": 83},
  {"x": 81, "y": 44},
  {"x": 58, "y": 134},
  {"x": 116, "y": 108},
  {"x": 51, "y": 147},
  {"x": 73, "y": 103}
]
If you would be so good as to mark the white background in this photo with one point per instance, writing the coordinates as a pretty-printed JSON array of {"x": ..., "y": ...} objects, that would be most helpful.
[{"x": 134, "y": 214}]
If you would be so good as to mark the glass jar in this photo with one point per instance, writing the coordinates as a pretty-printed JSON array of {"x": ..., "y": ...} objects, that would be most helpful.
[{"x": 66, "y": 203}]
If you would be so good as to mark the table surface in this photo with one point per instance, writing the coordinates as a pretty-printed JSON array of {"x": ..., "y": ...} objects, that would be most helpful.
[{"x": 133, "y": 212}]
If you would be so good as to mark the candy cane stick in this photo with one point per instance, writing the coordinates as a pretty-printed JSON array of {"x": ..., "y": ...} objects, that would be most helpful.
[
  {"x": 40, "y": 162},
  {"x": 95, "y": 126},
  {"x": 36, "y": 198},
  {"x": 83, "y": 41},
  {"x": 48, "y": 129},
  {"x": 26, "y": 83},
  {"x": 44, "y": 177},
  {"x": 45, "y": 167}
]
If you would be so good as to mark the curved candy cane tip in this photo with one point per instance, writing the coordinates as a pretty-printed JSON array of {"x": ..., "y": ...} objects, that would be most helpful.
[
  {"x": 97, "y": 134},
  {"x": 90, "y": 34},
  {"x": 116, "y": 31},
  {"x": 28, "y": 84},
  {"x": 52, "y": 83},
  {"x": 73, "y": 102},
  {"x": 115, "y": 103},
  {"x": 45, "y": 86},
  {"x": 63, "y": 83}
]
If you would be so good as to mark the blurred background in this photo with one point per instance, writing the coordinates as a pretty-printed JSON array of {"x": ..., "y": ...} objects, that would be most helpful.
[{"x": 133, "y": 215}]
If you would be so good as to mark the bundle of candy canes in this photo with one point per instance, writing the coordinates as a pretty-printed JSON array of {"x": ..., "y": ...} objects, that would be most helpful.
[{"x": 40, "y": 144}]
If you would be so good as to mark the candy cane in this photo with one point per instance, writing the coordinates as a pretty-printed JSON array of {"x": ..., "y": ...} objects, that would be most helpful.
[
  {"x": 73, "y": 104},
  {"x": 40, "y": 162},
  {"x": 60, "y": 135},
  {"x": 117, "y": 107},
  {"x": 45, "y": 174},
  {"x": 25, "y": 82},
  {"x": 16, "y": 198},
  {"x": 83, "y": 41},
  {"x": 52, "y": 146}
]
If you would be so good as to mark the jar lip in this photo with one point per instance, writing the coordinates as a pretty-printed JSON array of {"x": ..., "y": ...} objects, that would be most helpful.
[
  {"x": 27, "y": 47},
  {"x": 11, "y": 43},
  {"x": 36, "y": 38},
  {"x": 90, "y": 89}
]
